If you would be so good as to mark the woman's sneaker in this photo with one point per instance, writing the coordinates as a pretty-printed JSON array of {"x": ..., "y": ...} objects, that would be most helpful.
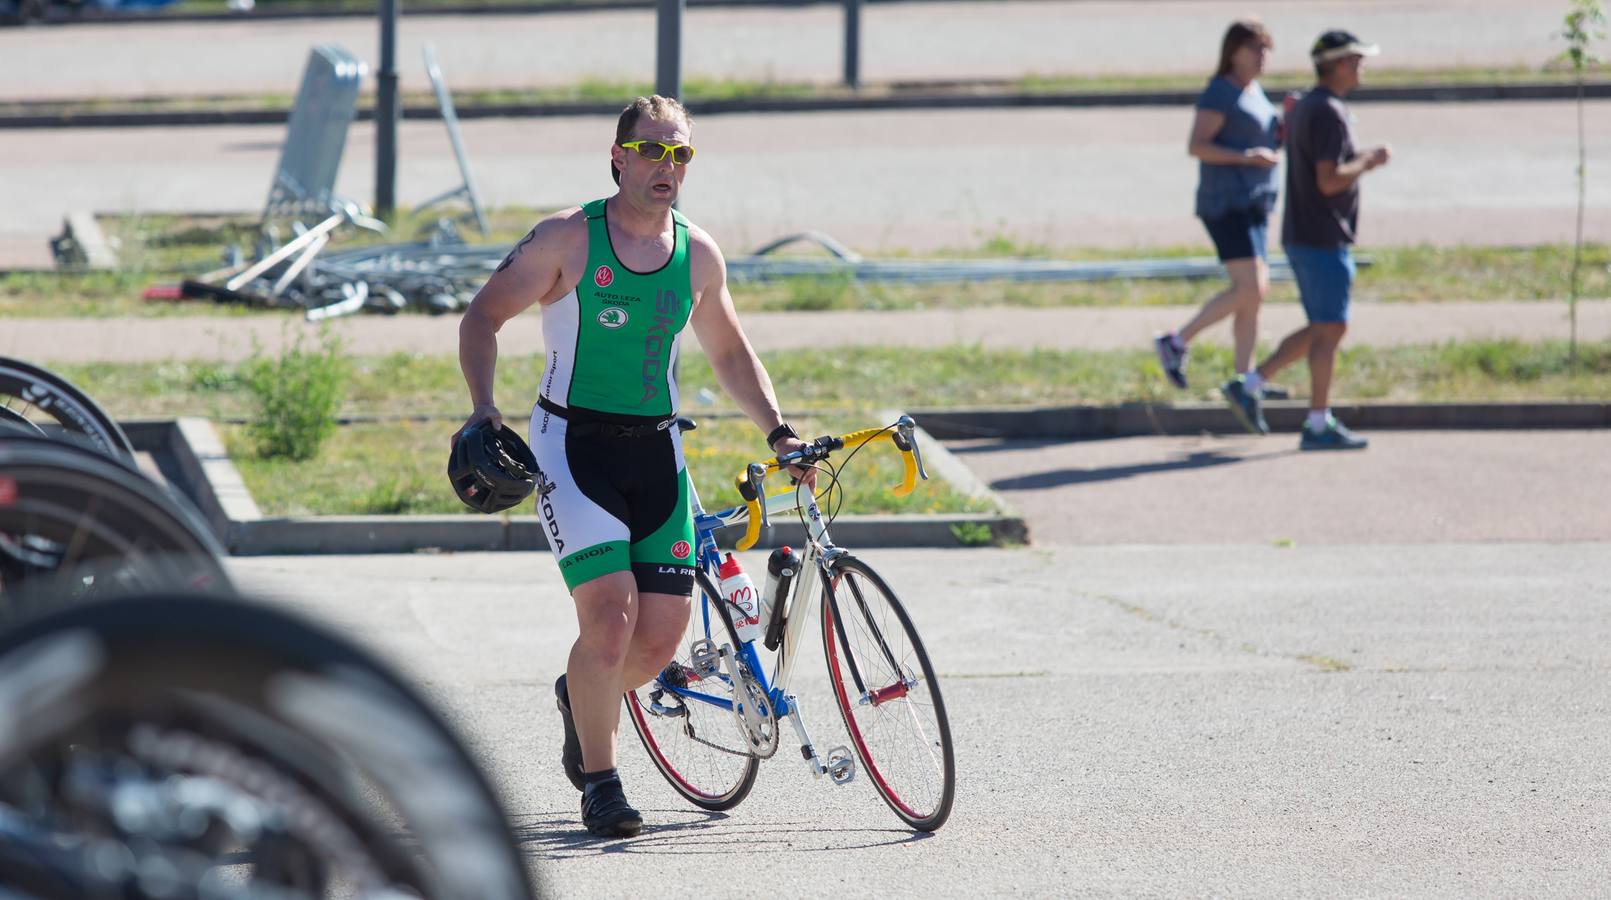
[
  {"x": 605, "y": 810},
  {"x": 571, "y": 756},
  {"x": 1172, "y": 356},
  {"x": 1333, "y": 437}
]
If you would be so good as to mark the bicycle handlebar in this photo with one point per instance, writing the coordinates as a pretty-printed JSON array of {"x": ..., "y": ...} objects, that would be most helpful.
[{"x": 751, "y": 484}]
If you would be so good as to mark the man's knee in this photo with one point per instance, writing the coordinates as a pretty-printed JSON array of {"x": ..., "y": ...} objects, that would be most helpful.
[
  {"x": 1329, "y": 333},
  {"x": 651, "y": 652},
  {"x": 605, "y": 613}
]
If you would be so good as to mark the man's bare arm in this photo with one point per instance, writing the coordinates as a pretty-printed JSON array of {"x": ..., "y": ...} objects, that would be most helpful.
[
  {"x": 532, "y": 273},
  {"x": 1334, "y": 178}
]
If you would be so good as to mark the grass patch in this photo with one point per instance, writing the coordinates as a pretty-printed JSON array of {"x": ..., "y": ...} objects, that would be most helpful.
[
  {"x": 400, "y": 467},
  {"x": 702, "y": 89},
  {"x": 1275, "y": 82},
  {"x": 1420, "y": 274},
  {"x": 956, "y": 376}
]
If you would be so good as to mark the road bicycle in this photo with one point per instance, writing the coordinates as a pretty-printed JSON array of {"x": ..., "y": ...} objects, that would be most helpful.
[{"x": 714, "y": 713}]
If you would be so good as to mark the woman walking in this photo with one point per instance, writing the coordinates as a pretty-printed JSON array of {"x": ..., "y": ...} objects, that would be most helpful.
[{"x": 1235, "y": 136}]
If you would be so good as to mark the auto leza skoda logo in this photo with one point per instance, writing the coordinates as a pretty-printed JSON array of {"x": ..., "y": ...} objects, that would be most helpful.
[{"x": 612, "y": 317}]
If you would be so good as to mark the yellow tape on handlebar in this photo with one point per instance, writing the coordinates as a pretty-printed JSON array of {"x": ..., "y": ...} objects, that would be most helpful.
[
  {"x": 908, "y": 459},
  {"x": 851, "y": 441},
  {"x": 752, "y": 528}
]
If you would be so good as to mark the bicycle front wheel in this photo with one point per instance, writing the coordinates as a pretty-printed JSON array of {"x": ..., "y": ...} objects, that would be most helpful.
[
  {"x": 888, "y": 695},
  {"x": 697, "y": 745}
]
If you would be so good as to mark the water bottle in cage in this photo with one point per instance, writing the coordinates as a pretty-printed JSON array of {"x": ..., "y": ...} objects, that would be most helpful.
[
  {"x": 744, "y": 604},
  {"x": 781, "y": 567}
]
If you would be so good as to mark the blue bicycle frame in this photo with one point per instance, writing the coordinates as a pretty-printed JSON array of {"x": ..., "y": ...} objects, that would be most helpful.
[{"x": 708, "y": 559}]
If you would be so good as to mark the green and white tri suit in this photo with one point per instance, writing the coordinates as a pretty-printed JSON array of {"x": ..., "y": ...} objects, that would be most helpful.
[{"x": 603, "y": 429}]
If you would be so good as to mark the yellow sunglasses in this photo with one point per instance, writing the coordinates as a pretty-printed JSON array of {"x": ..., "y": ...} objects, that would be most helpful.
[{"x": 655, "y": 151}]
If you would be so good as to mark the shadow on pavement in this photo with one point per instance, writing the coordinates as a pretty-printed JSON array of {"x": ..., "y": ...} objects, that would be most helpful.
[
  {"x": 1200, "y": 460},
  {"x": 556, "y": 836}
]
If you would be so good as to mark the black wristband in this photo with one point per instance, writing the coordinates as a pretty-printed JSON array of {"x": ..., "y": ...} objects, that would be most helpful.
[{"x": 782, "y": 431}]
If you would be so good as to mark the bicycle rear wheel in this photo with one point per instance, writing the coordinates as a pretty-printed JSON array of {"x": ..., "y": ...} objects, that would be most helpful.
[
  {"x": 57, "y": 407},
  {"x": 887, "y": 694},
  {"x": 74, "y": 523},
  {"x": 234, "y": 750},
  {"x": 697, "y": 746}
]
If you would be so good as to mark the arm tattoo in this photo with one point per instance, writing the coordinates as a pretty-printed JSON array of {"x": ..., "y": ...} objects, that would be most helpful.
[{"x": 510, "y": 259}]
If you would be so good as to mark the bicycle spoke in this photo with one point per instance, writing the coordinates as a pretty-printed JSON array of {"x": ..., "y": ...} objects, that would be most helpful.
[
  {"x": 896, "y": 720},
  {"x": 686, "y": 748}
]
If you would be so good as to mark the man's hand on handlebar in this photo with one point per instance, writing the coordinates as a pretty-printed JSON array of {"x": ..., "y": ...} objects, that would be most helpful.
[{"x": 786, "y": 445}]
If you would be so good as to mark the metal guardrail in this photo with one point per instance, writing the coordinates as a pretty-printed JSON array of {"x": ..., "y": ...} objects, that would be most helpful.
[
  {"x": 442, "y": 274},
  {"x": 844, "y": 262}
]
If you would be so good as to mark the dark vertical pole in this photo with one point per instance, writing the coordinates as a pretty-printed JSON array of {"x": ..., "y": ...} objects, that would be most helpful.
[
  {"x": 386, "y": 114},
  {"x": 668, "y": 49},
  {"x": 852, "y": 43}
]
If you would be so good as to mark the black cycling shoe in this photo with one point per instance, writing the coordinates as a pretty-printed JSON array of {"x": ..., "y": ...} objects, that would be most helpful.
[
  {"x": 571, "y": 756},
  {"x": 606, "y": 813}
]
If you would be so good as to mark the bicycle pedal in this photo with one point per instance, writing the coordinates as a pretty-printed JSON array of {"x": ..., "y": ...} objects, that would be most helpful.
[
  {"x": 841, "y": 765},
  {"x": 704, "y": 656}
]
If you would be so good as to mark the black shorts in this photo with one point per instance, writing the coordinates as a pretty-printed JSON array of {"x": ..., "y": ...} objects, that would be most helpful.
[
  {"x": 617, "y": 503},
  {"x": 1239, "y": 235}
]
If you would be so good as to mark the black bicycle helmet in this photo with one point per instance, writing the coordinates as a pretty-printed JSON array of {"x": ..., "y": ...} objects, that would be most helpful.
[{"x": 492, "y": 469}]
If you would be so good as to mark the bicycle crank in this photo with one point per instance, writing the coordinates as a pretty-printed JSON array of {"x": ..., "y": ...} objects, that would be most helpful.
[{"x": 756, "y": 719}]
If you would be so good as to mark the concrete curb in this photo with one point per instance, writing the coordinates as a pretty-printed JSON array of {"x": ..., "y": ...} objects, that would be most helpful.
[
  {"x": 915, "y": 99},
  {"x": 190, "y": 454},
  {"x": 1140, "y": 419}
]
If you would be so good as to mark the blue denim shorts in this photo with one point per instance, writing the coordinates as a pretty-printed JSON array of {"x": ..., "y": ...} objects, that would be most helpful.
[
  {"x": 1325, "y": 280},
  {"x": 1239, "y": 235}
]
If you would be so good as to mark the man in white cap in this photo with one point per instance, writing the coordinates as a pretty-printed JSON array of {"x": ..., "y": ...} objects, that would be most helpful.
[{"x": 1318, "y": 228}]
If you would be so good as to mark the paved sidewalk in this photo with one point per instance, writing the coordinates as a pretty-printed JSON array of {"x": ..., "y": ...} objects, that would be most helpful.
[
  {"x": 1121, "y": 177},
  {"x": 1407, "y": 487},
  {"x": 1421, "y": 720},
  {"x": 901, "y": 41},
  {"x": 1096, "y": 328}
]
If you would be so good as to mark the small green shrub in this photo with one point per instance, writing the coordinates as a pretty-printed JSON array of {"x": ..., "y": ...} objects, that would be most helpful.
[
  {"x": 973, "y": 534},
  {"x": 295, "y": 396}
]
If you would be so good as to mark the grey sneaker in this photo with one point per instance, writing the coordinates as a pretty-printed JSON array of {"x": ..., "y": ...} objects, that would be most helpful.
[
  {"x": 1172, "y": 356},
  {"x": 1334, "y": 437},
  {"x": 1245, "y": 406}
]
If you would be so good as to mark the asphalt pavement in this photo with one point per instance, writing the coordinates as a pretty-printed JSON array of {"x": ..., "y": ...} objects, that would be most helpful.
[
  {"x": 1007, "y": 39},
  {"x": 1463, "y": 173},
  {"x": 1408, "y": 718}
]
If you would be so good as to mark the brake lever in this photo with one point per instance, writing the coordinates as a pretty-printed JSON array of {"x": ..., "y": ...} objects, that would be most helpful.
[
  {"x": 754, "y": 475},
  {"x": 906, "y": 430}
]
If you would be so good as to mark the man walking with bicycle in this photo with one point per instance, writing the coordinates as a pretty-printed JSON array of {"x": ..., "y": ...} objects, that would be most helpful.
[{"x": 618, "y": 279}]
